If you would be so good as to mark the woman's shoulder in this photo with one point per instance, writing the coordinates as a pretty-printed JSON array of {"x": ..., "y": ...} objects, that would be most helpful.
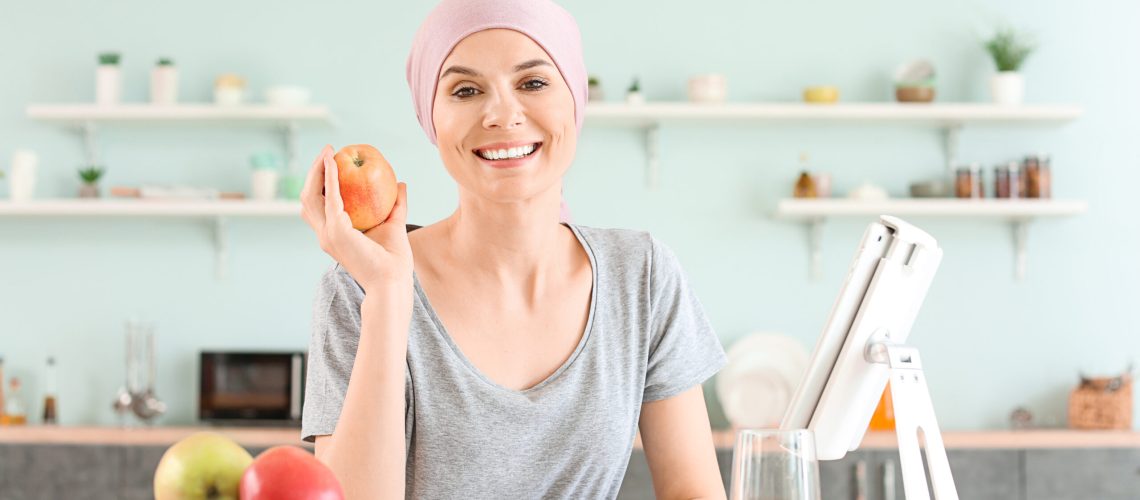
[
  {"x": 623, "y": 247},
  {"x": 337, "y": 282}
]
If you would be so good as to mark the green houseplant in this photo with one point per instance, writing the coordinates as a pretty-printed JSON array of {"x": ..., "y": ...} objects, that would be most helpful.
[
  {"x": 90, "y": 177},
  {"x": 633, "y": 95},
  {"x": 1008, "y": 49}
]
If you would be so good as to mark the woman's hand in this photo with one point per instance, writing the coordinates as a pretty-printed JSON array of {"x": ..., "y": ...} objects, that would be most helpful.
[{"x": 379, "y": 258}]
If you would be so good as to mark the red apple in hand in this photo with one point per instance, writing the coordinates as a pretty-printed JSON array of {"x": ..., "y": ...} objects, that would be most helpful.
[
  {"x": 367, "y": 185},
  {"x": 289, "y": 473}
]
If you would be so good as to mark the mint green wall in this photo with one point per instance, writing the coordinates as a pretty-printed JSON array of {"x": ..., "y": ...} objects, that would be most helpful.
[{"x": 990, "y": 343}]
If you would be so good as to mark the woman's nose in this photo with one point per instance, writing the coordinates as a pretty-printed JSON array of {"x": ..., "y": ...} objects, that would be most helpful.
[{"x": 503, "y": 112}]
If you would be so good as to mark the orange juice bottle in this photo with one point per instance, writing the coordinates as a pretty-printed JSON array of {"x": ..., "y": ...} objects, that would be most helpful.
[{"x": 884, "y": 417}]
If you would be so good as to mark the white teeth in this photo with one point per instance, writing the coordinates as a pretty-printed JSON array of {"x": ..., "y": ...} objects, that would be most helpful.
[{"x": 500, "y": 154}]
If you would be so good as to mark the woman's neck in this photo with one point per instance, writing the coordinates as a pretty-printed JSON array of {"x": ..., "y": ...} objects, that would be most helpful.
[{"x": 510, "y": 244}]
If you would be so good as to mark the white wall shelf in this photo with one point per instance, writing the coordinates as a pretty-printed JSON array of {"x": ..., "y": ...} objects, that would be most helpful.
[
  {"x": 87, "y": 117},
  {"x": 950, "y": 118},
  {"x": 1018, "y": 213},
  {"x": 216, "y": 212}
]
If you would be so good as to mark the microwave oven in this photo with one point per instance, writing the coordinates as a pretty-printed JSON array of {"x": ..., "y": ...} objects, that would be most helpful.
[{"x": 251, "y": 387}]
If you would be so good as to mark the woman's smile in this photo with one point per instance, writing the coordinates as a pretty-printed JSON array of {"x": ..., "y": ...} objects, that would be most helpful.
[{"x": 508, "y": 154}]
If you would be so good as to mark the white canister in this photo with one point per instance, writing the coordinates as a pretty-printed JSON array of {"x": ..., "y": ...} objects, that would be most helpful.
[
  {"x": 229, "y": 96},
  {"x": 264, "y": 184},
  {"x": 164, "y": 83},
  {"x": 712, "y": 87},
  {"x": 108, "y": 84},
  {"x": 22, "y": 179}
]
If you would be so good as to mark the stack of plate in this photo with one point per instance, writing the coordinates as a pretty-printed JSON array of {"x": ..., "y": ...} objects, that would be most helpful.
[{"x": 763, "y": 372}]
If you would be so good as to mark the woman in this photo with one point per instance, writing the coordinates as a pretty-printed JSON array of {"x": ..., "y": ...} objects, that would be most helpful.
[{"x": 516, "y": 356}]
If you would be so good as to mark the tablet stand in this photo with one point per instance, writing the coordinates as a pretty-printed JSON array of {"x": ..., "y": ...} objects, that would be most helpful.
[{"x": 914, "y": 412}]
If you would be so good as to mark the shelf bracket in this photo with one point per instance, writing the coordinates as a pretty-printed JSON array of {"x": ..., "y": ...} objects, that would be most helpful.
[
  {"x": 290, "y": 131},
  {"x": 221, "y": 247},
  {"x": 652, "y": 155},
  {"x": 950, "y": 140},
  {"x": 89, "y": 151},
  {"x": 815, "y": 246},
  {"x": 1020, "y": 234}
]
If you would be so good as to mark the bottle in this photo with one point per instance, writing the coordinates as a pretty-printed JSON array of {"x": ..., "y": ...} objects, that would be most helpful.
[
  {"x": 884, "y": 417},
  {"x": 49, "y": 393},
  {"x": 14, "y": 413},
  {"x": 805, "y": 185}
]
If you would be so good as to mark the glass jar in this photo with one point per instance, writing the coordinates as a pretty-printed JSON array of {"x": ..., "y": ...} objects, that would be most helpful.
[
  {"x": 1038, "y": 179},
  {"x": 968, "y": 182},
  {"x": 1007, "y": 180}
]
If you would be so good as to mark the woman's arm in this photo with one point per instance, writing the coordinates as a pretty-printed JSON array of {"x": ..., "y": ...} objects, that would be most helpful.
[
  {"x": 367, "y": 450},
  {"x": 677, "y": 439}
]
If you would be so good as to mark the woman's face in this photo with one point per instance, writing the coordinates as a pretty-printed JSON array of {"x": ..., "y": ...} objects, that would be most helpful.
[{"x": 504, "y": 118}]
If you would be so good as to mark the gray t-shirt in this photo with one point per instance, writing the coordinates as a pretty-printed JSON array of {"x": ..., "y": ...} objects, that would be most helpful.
[{"x": 570, "y": 436}]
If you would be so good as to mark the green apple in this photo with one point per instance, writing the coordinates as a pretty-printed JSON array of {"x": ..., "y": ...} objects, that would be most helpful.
[{"x": 204, "y": 465}]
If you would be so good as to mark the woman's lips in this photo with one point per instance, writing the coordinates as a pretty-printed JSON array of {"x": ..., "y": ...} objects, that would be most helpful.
[{"x": 512, "y": 162}]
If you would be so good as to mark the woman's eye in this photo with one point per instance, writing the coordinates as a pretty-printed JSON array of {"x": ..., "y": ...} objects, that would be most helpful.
[
  {"x": 534, "y": 84},
  {"x": 464, "y": 92}
]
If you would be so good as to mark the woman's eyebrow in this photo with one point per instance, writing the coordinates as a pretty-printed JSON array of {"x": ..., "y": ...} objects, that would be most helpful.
[{"x": 470, "y": 72}]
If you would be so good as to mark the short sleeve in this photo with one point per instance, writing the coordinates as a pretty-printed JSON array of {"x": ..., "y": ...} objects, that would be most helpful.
[
  {"x": 684, "y": 351},
  {"x": 332, "y": 351}
]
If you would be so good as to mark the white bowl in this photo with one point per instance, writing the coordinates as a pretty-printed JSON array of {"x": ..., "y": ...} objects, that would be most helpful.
[{"x": 287, "y": 95}]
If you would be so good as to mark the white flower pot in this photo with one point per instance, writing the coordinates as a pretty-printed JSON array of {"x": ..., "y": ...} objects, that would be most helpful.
[
  {"x": 1007, "y": 88},
  {"x": 164, "y": 85},
  {"x": 22, "y": 179},
  {"x": 634, "y": 98},
  {"x": 108, "y": 84},
  {"x": 264, "y": 184}
]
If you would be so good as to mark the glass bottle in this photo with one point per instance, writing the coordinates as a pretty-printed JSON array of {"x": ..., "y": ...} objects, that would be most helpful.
[
  {"x": 14, "y": 413},
  {"x": 1037, "y": 176},
  {"x": 1016, "y": 181},
  {"x": 805, "y": 185},
  {"x": 49, "y": 393}
]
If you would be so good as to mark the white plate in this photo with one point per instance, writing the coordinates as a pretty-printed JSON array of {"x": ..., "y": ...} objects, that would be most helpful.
[{"x": 762, "y": 374}]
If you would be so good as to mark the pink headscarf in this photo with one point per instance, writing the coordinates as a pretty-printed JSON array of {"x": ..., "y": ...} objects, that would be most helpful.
[{"x": 549, "y": 25}]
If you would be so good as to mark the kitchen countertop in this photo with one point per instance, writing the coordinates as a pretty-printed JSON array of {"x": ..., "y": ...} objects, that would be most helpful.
[{"x": 247, "y": 436}]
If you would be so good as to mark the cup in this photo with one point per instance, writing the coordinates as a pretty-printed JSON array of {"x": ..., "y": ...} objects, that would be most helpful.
[
  {"x": 710, "y": 88},
  {"x": 772, "y": 464}
]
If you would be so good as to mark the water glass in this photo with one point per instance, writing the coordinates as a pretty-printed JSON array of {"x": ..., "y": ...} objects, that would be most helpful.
[{"x": 771, "y": 464}]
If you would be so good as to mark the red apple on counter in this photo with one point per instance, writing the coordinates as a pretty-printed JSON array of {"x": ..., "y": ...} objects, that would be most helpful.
[
  {"x": 367, "y": 185},
  {"x": 289, "y": 473},
  {"x": 204, "y": 465}
]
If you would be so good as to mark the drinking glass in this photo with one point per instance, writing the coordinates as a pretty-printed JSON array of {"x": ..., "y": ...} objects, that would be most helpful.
[{"x": 770, "y": 464}]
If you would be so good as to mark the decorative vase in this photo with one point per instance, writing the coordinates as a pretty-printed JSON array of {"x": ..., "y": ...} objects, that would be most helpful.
[
  {"x": 164, "y": 83},
  {"x": 1007, "y": 88},
  {"x": 89, "y": 191},
  {"x": 108, "y": 84}
]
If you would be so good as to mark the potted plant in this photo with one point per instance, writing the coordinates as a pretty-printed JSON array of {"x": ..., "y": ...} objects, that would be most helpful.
[
  {"x": 633, "y": 95},
  {"x": 594, "y": 91},
  {"x": 90, "y": 177},
  {"x": 1009, "y": 50},
  {"x": 108, "y": 79},
  {"x": 164, "y": 82}
]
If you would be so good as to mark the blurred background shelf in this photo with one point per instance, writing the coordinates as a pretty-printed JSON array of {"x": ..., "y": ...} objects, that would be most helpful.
[
  {"x": 950, "y": 118},
  {"x": 82, "y": 113},
  {"x": 813, "y": 213},
  {"x": 933, "y": 114},
  {"x": 215, "y": 211},
  {"x": 144, "y": 207}
]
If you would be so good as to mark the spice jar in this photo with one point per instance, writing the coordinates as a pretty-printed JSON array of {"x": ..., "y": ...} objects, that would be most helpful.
[
  {"x": 1038, "y": 179},
  {"x": 968, "y": 182},
  {"x": 1007, "y": 180}
]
